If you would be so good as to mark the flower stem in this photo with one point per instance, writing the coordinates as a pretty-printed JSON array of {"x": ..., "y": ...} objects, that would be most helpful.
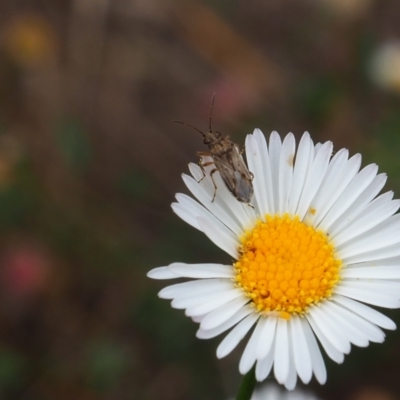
[{"x": 247, "y": 386}]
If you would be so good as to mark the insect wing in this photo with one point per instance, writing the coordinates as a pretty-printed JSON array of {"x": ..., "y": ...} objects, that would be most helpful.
[
  {"x": 244, "y": 188},
  {"x": 239, "y": 165},
  {"x": 235, "y": 174},
  {"x": 243, "y": 177}
]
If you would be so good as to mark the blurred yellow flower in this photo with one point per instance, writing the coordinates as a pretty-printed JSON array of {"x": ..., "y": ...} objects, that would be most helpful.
[
  {"x": 29, "y": 40},
  {"x": 347, "y": 8}
]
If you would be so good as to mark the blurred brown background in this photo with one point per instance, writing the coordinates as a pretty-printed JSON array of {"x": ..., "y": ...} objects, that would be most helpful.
[{"x": 90, "y": 162}]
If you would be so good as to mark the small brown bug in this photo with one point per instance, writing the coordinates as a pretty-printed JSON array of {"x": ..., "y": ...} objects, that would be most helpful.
[{"x": 228, "y": 162}]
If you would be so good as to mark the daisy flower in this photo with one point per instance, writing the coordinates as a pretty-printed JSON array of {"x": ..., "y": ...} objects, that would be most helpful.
[
  {"x": 384, "y": 66},
  {"x": 312, "y": 251},
  {"x": 273, "y": 392}
]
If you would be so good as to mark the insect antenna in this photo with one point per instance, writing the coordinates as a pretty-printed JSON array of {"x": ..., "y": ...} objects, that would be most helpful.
[
  {"x": 197, "y": 129},
  {"x": 212, "y": 106},
  {"x": 190, "y": 126}
]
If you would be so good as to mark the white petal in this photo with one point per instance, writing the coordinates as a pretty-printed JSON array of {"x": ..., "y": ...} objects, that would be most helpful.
[
  {"x": 324, "y": 338},
  {"x": 233, "y": 338},
  {"x": 200, "y": 176},
  {"x": 224, "y": 200},
  {"x": 370, "y": 331},
  {"x": 202, "y": 270},
  {"x": 317, "y": 148},
  {"x": 317, "y": 361},
  {"x": 198, "y": 189},
  {"x": 375, "y": 213},
  {"x": 186, "y": 215},
  {"x": 371, "y": 272},
  {"x": 304, "y": 158},
  {"x": 314, "y": 178},
  {"x": 198, "y": 318},
  {"x": 340, "y": 172},
  {"x": 221, "y": 314},
  {"x": 358, "y": 206},
  {"x": 351, "y": 332},
  {"x": 220, "y": 236},
  {"x": 203, "y": 178},
  {"x": 286, "y": 171},
  {"x": 355, "y": 188},
  {"x": 203, "y": 189},
  {"x": 184, "y": 302},
  {"x": 379, "y": 254},
  {"x": 366, "y": 296},
  {"x": 385, "y": 234},
  {"x": 194, "y": 288},
  {"x": 268, "y": 325},
  {"x": 214, "y": 302},
  {"x": 198, "y": 210},
  {"x": 390, "y": 224},
  {"x": 264, "y": 366},
  {"x": 275, "y": 145},
  {"x": 301, "y": 353},
  {"x": 260, "y": 183},
  {"x": 204, "y": 195},
  {"x": 244, "y": 213},
  {"x": 224, "y": 326},
  {"x": 161, "y": 273},
  {"x": 192, "y": 301},
  {"x": 388, "y": 288},
  {"x": 291, "y": 379},
  {"x": 377, "y": 263},
  {"x": 281, "y": 357},
  {"x": 366, "y": 312},
  {"x": 249, "y": 355},
  {"x": 332, "y": 332},
  {"x": 266, "y": 168}
]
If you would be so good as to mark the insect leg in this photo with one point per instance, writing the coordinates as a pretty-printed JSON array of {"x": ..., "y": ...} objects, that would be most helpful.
[
  {"x": 215, "y": 185},
  {"x": 202, "y": 154},
  {"x": 202, "y": 165},
  {"x": 203, "y": 170}
]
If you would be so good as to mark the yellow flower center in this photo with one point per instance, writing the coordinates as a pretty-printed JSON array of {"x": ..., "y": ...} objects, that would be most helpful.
[{"x": 285, "y": 266}]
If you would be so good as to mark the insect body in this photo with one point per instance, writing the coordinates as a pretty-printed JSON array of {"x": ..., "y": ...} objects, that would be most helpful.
[{"x": 228, "y": 162}]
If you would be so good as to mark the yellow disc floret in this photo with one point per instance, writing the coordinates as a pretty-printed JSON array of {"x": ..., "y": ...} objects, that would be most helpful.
[{"x": 285, "y": 266}]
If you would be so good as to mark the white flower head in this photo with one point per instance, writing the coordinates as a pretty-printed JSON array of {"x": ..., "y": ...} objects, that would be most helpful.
[
  {"x": 385, "y": 66},
  {"x": 273, "y": 392},
  {"x": 314, "y": 245}
]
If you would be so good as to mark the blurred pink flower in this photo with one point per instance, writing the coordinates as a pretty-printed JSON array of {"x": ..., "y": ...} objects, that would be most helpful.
[
  {"x": 232, "y": 99},
  {"x": 24, "y": 270}
]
